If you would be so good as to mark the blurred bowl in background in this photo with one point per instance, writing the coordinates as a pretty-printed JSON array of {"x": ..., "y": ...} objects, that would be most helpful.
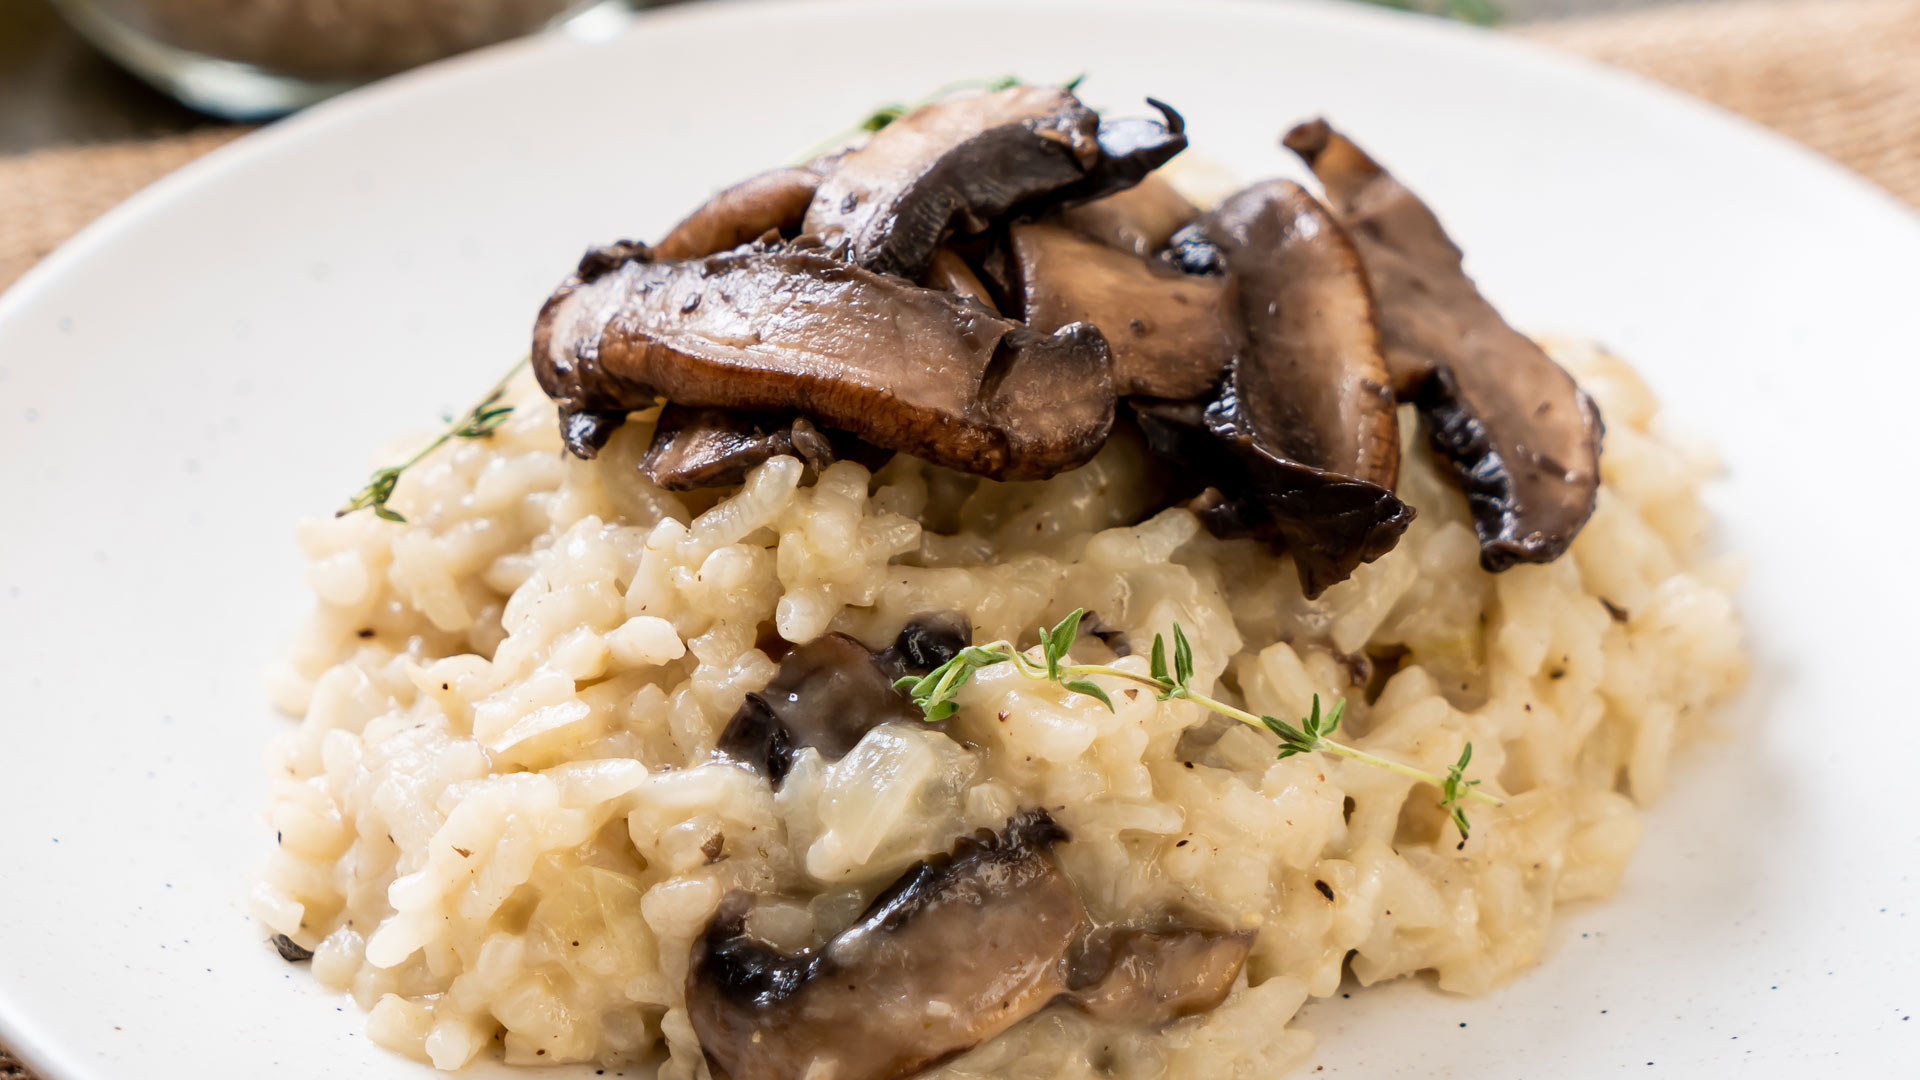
[{"x": 252, "y": 59}]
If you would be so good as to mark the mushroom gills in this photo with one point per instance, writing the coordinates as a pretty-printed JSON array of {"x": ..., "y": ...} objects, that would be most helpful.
[
  {"x": 959, "y": 949},
  {"x": 703, "y": 447},
  {"x": 829, "y": 692},
  {"x": 790, "y": 328},
  {"x": 1521, "y": 436}
]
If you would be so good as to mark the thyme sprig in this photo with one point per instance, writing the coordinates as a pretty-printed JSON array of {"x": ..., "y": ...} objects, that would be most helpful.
[
  {"x": 479, "y": 422},
  {"x": 1455, "y": 789},
  {"x": 935, "y": 691}
]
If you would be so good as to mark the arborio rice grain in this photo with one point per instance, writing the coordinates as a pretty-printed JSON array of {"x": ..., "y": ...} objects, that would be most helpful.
[{"x": 495, "y": 822}]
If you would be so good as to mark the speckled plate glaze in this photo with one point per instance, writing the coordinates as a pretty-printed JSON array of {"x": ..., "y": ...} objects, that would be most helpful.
[{"x": 217, "y": 357}]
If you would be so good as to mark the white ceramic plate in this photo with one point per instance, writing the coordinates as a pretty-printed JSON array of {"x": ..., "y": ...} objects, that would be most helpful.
[{"x": 219, "y": 356}]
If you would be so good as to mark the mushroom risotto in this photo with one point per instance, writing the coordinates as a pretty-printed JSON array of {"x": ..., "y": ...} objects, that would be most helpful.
[{"x": 979, "y": 614}]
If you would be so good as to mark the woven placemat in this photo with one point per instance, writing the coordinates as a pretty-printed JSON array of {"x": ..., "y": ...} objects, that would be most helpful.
[
  {"x": 1841, "y": 76},
  {"x": 48, "y": 195}
]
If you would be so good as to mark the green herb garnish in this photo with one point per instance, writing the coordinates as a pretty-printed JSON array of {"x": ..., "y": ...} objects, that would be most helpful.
[
  {"x": 1477, "y": 12},
  {"x": 479, "y": 422},
  {"x": 934, "y": 693},
  {"x": 1454, "y": 790}
]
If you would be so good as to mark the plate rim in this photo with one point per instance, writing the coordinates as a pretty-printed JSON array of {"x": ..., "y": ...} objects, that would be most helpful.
[
  {"x": 1628, "y": 89},
  {"x": 343, "y": 109}
]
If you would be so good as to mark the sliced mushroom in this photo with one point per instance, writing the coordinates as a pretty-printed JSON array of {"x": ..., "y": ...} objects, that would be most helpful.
[
  {"x": 958, "y": 166},
  {"x": 1312, "y": 383},
  {"x": 1302, "y": 443},
  {"x": 953, "y": 165},
  {"x": 958, "y": 950},
  {"x": 948, "y": 272},
  {"x": 829, "y": 692},
  {"x": 703, "y": 447},
  {"x": 925, "y": 643},
  {"x": 1191, "y": 252},
  {"x": 1522, "y": 437},
  {"x": 909, "y": 369},
  {"x": 1150, "y": 977},
  {"x": 1329, "y": 523},
  {"x": 1110, "y": 638},
  {"x": 774, "y": 200},
  {"x": 1141, "y": 219},
  {"x": 1168, "y": 332},
  {"x": 1131, "y": 148}
]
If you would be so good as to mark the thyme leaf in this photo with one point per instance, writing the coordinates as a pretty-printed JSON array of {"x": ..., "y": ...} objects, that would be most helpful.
[{"x": 1455, "y": 789}]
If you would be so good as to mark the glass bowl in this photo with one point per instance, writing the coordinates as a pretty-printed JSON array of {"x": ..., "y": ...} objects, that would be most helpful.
[{"x": 252, "y": 59}]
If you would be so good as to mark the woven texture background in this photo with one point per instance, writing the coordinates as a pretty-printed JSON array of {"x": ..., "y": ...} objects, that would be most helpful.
[{"x": 1841, "y": 76}]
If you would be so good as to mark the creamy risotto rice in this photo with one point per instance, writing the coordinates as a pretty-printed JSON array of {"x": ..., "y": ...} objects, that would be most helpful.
[{"x": 499, "y": 831}]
